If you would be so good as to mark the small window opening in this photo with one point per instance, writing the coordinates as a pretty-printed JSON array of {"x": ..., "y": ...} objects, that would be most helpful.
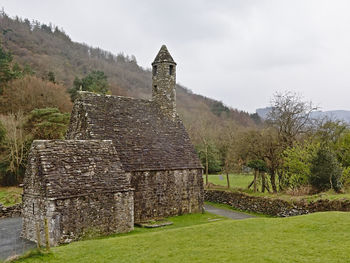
[
  {"x": 154, "y": 70},
  {"x": 171, "y": 68},
  {"x": 155, "y": 88},
  {"x": 33, "y": 208}
]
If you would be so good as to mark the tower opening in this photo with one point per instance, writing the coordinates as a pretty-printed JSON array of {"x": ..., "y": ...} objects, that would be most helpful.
[
  {"x": 154, "y": 70},
  {"x": 171, "y": 68}
]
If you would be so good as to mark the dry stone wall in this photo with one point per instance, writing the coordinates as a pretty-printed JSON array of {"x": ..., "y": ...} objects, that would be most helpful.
[
  {"x": 273, "y": 206},
  {"x": 166, "y": 193},
  {"x": 10, "y": 211}
]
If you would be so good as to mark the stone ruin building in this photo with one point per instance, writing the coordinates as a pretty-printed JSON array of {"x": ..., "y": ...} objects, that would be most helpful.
[
  {"x": 124, "y": 160},
  {"x": 79, "y": 187}
]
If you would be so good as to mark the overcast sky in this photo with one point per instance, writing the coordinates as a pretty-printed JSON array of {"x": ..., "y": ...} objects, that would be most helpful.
[{"x": 236, "y": 51}]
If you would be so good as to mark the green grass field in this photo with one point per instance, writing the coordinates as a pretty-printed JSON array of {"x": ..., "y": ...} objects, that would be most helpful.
[
  {"x": 10, "y": 195},
  {"x": 236, "y": 180},
  {"x": 240, "y": 182},
  {"x": 319, "y": 237}
]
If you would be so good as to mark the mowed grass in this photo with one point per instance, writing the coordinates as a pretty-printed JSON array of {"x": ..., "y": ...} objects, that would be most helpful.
[
  {"x": 236, "y": 180},
  {"x": 10, "y": 195},
  {"x": 319, "y": 237},
  {"x": 240, "y": 182}
]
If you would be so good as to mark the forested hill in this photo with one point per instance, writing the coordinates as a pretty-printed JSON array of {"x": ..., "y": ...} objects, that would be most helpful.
[{"x": 45, "y": 48}]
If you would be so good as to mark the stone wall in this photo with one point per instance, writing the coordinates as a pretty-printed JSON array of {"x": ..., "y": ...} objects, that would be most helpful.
[
  {"x": 10, "y": 211},
  {"x": 79, "y": 187},
  {"x": 75, "y": 218},
  {"x": 161, "y": 194},
  {"x": 163, "y": 82},
  {"x": 96, "y": 215},
  {"x": 273, "y": 206}
]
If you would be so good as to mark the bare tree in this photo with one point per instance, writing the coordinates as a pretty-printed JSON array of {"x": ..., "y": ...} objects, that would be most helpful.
[
  {"x": 290, "y": 115},
  {"x": 260, "y": 146},
  {"x": 227, "y": 146},
  {"x": 202, "y": 133},
  {"x": 14, "y": 142}
]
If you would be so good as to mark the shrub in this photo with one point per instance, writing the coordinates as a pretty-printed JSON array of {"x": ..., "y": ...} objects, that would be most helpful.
[
  {"x": 297, "y": 164},
  {"x": 342, "y": 148},
  {"x": 346, "y": 176},
  {"x": 325, "y": 170},
  {"x": 47, "y": 124}
]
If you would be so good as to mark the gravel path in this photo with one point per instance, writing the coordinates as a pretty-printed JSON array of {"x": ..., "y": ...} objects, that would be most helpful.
[
  {"x": 10, "y": 241},
  {"x": 227, "y": 213}
]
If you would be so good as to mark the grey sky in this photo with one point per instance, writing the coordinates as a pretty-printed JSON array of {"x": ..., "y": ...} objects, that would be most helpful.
[{"x": 238, "y": 51}]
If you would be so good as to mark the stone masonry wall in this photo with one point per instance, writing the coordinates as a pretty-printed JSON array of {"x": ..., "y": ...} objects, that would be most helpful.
[
  {"x": 161, "y": 194},
  {"x": 79, "y": 187},
  {"x": 10, "y": 211},
  {"x": 272, "y": 206},
  {"x": 163, "y": 83},
  {"x": 95, "y": 215},
  {"x": 75, "y": 218},
  {"x": 33, "y": 213}
]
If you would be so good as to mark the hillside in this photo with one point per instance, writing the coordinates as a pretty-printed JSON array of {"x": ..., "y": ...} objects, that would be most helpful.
[{"x": 48, "y": 49}]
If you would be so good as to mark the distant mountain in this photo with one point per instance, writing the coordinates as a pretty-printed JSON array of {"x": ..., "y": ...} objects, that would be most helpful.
[
  {"x": 263, "y": 112},
  {"x": 343, "y": 115}
]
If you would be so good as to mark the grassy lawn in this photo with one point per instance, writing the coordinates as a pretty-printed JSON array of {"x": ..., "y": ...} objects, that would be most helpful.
[
  {"x": 10, "y": 195},
  {"x": 240, "y": 182},
  {"x": 236, "y": 180},
  {"x": 319, "y": 237},
  {"x": 178, "y": 222},
  {"x": 328, "y": 195}
]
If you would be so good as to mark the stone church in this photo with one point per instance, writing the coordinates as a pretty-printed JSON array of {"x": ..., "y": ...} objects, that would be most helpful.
[{"x": 124, "y": 161}]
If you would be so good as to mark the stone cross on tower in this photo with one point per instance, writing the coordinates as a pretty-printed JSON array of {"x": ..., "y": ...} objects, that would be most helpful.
[{"x": 163, "y": 82}]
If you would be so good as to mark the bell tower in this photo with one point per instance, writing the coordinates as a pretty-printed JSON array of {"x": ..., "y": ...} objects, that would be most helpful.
[{"x": 163, "y": 82}]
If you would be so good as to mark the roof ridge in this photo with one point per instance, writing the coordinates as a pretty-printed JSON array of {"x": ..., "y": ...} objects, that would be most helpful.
[{"x": 85, "y": 94}]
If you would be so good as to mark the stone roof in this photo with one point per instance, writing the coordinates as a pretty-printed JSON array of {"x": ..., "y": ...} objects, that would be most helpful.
[
  {"x": 145, "y": 139},
  {"x": 163, "y": 56},
  {"x": 66, "y": 168}
]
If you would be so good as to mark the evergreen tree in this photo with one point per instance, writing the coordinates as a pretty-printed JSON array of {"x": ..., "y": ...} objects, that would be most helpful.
[
  {"x": 95, "y": 82},
  {"x": 7, "y": 70},
  {"x": 325, "y": 170},
  {"x": 51, "y": 77},
  {"x": 47, "y": 123},
  {"x": 6, "y": 73},
  {"x": 2, "y": 134}
]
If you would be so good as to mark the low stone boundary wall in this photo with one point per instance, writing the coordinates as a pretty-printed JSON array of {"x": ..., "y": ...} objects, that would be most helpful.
[
  {"x": 273, "y": 206},
  {"x": 10, "y": 211}
]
